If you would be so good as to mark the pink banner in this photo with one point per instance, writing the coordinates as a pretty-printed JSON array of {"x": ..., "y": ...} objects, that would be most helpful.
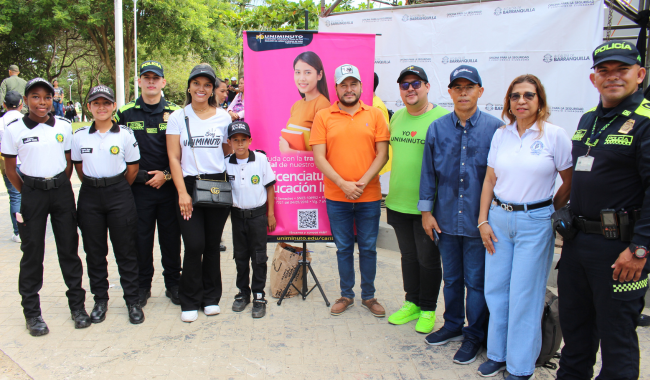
[{"x": 279, "y": 68}]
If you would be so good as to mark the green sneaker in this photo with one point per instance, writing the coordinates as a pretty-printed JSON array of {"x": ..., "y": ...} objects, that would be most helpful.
[
  {"x": 406, "y": 314},
  {"x": 425, "y": 322}
]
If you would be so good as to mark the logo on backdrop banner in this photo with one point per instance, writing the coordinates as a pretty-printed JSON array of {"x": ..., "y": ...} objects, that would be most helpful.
[
  {"x": 510, "y": 10},
  {"x": 377, "y": 19},
  {"x": 399, "y": 103},
  {"x": 548, "y": 58},
  {"x": 462, "y": 60},
  {"x": 493, "y": 107},
  {"x": 329, "y": 23},
  {"x": 414, "y": 60},
  {"x": 508, "y": 58},
  {"x": 569, "y": 4},
  {"x": 264, "y": 41},
  {"x": 382, "y": 61},
  {"x": 568, "y": 109},
  {"x": 464, "y": 14},
  {"x": 406, "y": 18}
]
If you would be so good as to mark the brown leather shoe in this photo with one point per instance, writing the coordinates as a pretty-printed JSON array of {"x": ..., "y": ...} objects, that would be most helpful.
[
  {"x": 375, "y": 308},
  {"x": 341, "y": 305}
]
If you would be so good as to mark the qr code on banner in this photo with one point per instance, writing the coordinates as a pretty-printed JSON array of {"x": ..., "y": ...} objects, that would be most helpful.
[{"x": 308, "y": 219}]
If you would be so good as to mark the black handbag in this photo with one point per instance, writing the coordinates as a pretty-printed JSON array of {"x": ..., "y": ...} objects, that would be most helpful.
[{"x": 208, "y": 192}]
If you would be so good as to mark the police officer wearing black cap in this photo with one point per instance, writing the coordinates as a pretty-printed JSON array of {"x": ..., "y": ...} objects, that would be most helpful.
[
  {"x": 43, "y": 143},
  {"x": 603, "y": 274},
  {"x": 106, "y": 158},
  {"x": 155, "y": 195}
]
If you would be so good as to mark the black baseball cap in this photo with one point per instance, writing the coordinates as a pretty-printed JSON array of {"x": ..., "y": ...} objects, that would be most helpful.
[
  {"x": 152, "y": 66},
  {"x": 238, "y": 127},
  {"x": 466, "y": 72},
  {"x": 101, "y": 91},
  {"x": 203, "y": 70},
  {"x": 13, "y": 99},
  {"x": 616, "y": 51},
  {"x": 39, "y": 82},
  {"x": 415, "y": 70}
]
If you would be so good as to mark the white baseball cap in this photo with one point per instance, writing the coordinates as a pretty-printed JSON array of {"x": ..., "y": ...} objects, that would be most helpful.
[
  {"x": 345, "y": 71},
  {"x": 233, "y": 78}
]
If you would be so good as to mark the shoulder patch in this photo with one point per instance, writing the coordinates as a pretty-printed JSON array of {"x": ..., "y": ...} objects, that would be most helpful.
[
  {"x": 261, "y": 151},
  {"x": 80, "y": 129},
  {"x": 172, "y": 106},
  {"x": 63, "y": 119},
  {"x": 127, "y": 106},
  {"x": 643, "y": 109},
  {"x": 591, "y": 110},
  {"x": 127, "y": 128}
]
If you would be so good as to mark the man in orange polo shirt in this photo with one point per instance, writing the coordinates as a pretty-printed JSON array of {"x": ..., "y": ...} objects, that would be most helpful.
[{"x": 350, "y": 143}]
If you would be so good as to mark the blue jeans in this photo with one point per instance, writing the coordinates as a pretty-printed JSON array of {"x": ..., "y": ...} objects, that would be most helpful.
[
  {"x": 515, "y": 285},
  {"x": 344, "y": 216},
  {"x": 14, "y": 201},
  {"x": 463, "y": 266},
  {"x": 58, "y": 108}
]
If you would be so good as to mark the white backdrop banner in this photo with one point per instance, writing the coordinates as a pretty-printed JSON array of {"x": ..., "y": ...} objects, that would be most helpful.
[{"x": 552, "y": 39}]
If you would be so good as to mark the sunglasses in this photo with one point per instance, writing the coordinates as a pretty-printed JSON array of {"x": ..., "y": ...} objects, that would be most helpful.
[
  {"x": 415, "y": 84},
  {"x": 527, "y": 95}
]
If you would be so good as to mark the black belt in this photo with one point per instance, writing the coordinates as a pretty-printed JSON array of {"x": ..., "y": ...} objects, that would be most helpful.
[
  {"x": 44, "y": 183},
  {"x": 103, "y": 182},
  {"x": 529, "y": 206},
  {"x": 589, "y": 226},
  {"x": 250, "y": 213}
]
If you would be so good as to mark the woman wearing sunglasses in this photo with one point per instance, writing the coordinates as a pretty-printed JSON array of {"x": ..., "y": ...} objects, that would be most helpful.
[{"x": 515, "y": 224}]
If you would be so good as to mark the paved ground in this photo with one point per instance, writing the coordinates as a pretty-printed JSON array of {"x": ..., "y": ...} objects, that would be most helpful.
[{"x": 298, "y": 340}]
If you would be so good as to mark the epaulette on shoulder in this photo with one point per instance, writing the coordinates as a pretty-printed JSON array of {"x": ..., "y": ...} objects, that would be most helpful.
[
  {"x": 643, "y": 109},
  {"x": 261, "y": 151},
  {"x": 591, "y": 110},
  {"x": 172, "y": 106},
  {"x": 13, "y": 121},
  {"x": 126, "y": 128},
  {"x": 127, "y": 106},
  {"x": 63, "y": 119},
  {"x": 80, "y": 129}
]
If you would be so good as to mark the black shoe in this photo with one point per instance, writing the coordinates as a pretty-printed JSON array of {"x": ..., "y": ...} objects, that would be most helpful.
[
  {"x": 172, "y": 294},
  {"x": 98, "y": 315},
  {"x": 144, "y": 294},
  {"x": 222, "y": 248},
  {"x": 36, "y": 326},
  {"x": 644, "y": 320},
  {"x": 240, "y": 303},
  {"x": 136, "y": 315},
  {"x": 81, "y": 319},
  {"x": 259, "y": 308}
]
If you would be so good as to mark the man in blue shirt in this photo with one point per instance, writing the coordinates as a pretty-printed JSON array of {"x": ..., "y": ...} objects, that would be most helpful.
[{"x": 453, "y": 169}]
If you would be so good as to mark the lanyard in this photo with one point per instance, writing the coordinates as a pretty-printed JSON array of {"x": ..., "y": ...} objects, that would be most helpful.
[{"x": 595, "y": 135}]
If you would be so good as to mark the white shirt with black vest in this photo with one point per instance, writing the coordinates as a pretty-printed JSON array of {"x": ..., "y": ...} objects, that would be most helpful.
[
  {"x": 105, "y": 154},
  {"x": 249, "y": 179},
  {"x": 41, "y": 147}
]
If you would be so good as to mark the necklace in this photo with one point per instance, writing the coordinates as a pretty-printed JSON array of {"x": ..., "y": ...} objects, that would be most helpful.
[{"x": 200, "y": 110}]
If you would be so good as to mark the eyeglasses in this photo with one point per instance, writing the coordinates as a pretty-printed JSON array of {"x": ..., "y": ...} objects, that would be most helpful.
[
  {"x": 527, "y": 95},
  {"x": 415, "y": 84},
  {"x": 461, "y": 89}
]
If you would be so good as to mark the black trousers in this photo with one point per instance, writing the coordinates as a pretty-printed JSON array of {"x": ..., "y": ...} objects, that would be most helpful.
[
  {"x": 36, "y": 205},
  {"x": 597, "y": 311},
  {"x": 158, "y": 206},
  {"x": 249, "y": 245},
  {"x": 200, "y": 283},
  {"x": 421, "y": 265},
  {"x": 111, "y": 209}
]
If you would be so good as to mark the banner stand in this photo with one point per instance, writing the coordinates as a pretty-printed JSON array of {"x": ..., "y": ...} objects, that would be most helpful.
[{"x": 305, "y": 265}]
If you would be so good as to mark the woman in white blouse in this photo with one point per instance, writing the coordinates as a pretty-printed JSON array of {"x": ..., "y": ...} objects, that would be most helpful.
[
  {"x": 515, "y": 224},
  {"x": 201, "y": 227}
]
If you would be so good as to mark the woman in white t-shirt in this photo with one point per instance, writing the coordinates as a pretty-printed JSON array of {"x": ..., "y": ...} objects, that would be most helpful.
[
  {"x": 201, "y": 228},
  {"x": 523, "y": 163}
]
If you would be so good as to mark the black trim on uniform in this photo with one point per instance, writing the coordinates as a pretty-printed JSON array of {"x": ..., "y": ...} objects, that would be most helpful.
[
  {"x": 133, "y": 163},
  {"x": 31, "y": 124},
  {"x": 270, "y": 183},
  {"x": 77, "y": 162},
  {"x": 9, "y": 155},
  {"x": 115, "y": 128},
  {"x": 67, "y": 151}
]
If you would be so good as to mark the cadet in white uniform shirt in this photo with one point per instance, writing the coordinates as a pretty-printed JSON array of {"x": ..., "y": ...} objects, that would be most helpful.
[
  {"x": 106, "y": 158},
  {"x": 252, "y": 182},
  {"x": 43, "y": 142},
  {"x": 14, "y": 104}
]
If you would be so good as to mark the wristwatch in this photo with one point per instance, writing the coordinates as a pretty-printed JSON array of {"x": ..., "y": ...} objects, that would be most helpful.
[
  {"x": 167, "y": 174},
  {"x": 639, "y": 251}
]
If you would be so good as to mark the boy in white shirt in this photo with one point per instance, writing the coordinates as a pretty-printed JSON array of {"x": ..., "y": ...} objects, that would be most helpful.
[{"x": 252, "y": 181}]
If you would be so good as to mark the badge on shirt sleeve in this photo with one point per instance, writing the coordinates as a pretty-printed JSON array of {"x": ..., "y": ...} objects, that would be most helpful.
[
  {"x": 59, "y": 137},
  {"x": 115, "y": 149},
  {"x": 166, "y": 116},
  {"x": 627, "y": 127}
]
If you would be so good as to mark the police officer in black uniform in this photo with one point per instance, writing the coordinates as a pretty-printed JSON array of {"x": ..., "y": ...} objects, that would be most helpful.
[
  {"x": 155, "y": 196},
  {"x": 43, "y": 142},
  {"x": 603, "y": 274},
  {"x": 106, "y": 158}
]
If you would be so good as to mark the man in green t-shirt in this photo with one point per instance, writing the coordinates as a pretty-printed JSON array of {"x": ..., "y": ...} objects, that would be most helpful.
[{"x": 421, "y": 267}]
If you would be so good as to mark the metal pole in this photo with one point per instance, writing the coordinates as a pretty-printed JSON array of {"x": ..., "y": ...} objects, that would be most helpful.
[
  {"x": 306, "y": 19},
  {"x": 135, "y": 48},
  {"x": 119, "y": 54}
]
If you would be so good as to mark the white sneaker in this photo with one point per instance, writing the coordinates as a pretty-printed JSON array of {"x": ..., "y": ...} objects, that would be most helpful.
[
  {"x": 330, "y": 245},
  {"x": 189, "y": 316},
  {"x": 212, "y": 310},
  {"x": 15, "y": 238}
]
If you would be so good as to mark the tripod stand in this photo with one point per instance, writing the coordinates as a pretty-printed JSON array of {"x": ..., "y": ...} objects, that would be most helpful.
[{"x": 304, "y": 264}]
